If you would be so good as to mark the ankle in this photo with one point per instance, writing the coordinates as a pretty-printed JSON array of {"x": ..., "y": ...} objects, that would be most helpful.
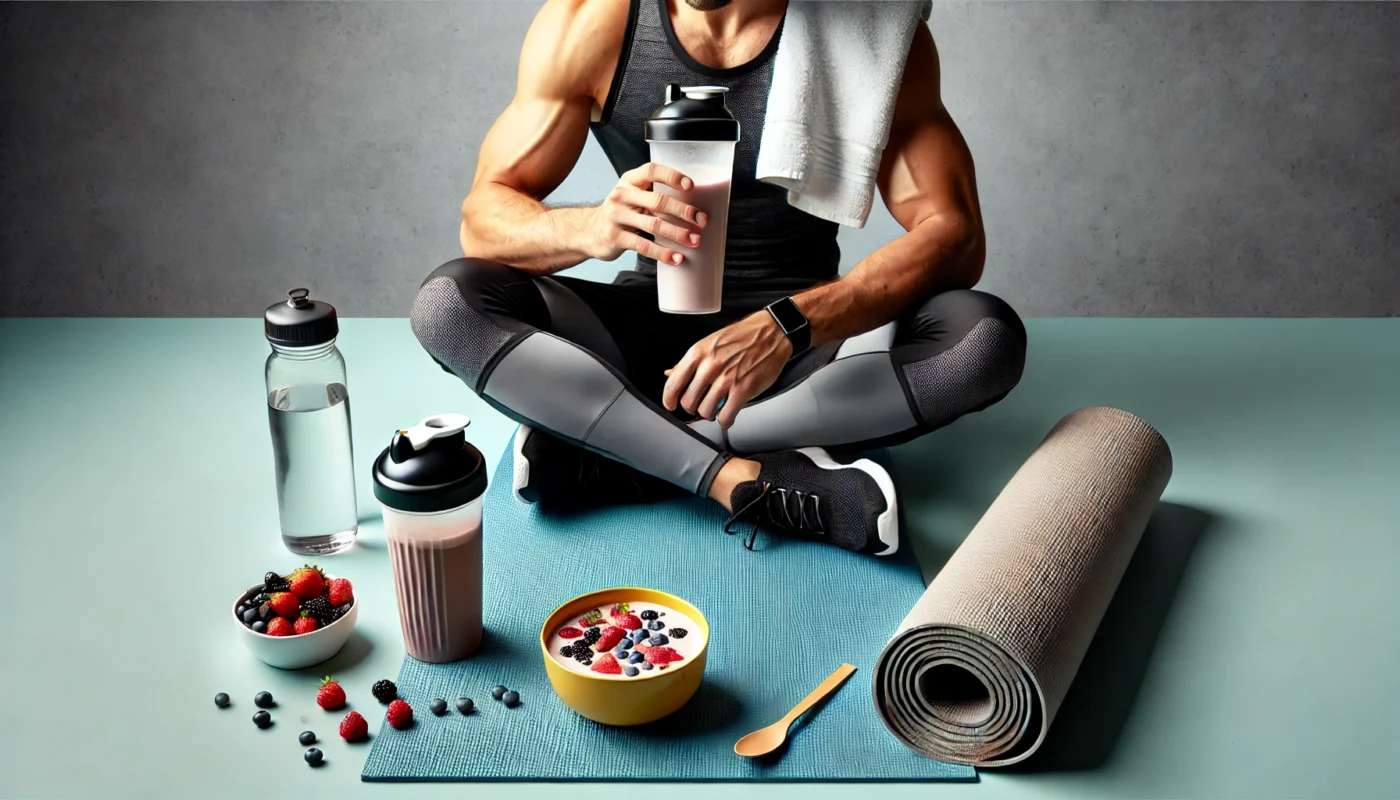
[{"x": 734, "y": 472}]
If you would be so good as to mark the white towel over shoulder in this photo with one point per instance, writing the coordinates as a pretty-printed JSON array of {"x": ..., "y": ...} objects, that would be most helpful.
[{"x": 835, "y": 78}]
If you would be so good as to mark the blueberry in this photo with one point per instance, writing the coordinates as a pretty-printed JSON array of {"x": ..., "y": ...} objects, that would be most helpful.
[
  {"x": 465, "y": 705},
  {"x": 625, "y": 644},
  {"x": 657, "y": 626},
  {"x": 619, "y": 653},
  {"x": 263, "y": 700},
  {"x": 636, "y": 658},
  {"x": 658, "y": 640},
  {"x": 262, "y": 719},
  {"x": 221, "y": 700},
  {"x": 259, "y": 627},
  {"x": 637, "y": 635},
  {"x": 313, "y": 756},
  {"x": 511, "y": 699},
  {"x": 645, "y": 665},
  {"x": 630, "y": 672},
  {"x": 307, "y": 738},
  {"x": 438, "y": 706},
  {"x": 498, "y": 691},
  {"x": 238, "y": 612}
]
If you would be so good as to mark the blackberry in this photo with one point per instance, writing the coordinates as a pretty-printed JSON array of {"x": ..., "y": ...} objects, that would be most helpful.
[
  {"x": 320, "y": 608},
  {"x": 678, "y": 633},
  {"x": 384, "y": 691},
  {"x": 272, "y": 582},
  {"x": 591, "y": 636},
  {"x": 648, "y": 614},
  {"x": 339, "y": 611},
  {"x": 567, "y": 651}
]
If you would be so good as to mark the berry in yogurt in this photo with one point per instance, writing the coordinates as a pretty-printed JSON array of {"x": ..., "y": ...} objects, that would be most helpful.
[{"x": 625, "y": 640}]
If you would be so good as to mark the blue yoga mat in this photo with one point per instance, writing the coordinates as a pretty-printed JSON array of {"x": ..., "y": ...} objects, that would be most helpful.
[{"x": 782, "y": 618}]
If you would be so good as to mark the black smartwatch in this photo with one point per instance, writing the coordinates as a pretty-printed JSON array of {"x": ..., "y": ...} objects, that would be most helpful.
[{"x": 793, "y": 323}]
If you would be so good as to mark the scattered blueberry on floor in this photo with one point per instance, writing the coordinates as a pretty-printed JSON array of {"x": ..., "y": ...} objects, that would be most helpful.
[
  {"x": 438, "y": 707},
  {"x": 465, "y": 705},
  {"x": 497, "y": 692},
  {"x": 262, "y": 719},
  {"x": 263, "y": 700},
  {"x": 221, "y": 700},
  {"x": 511, "y": 699},
  {"x": 314, "y": 757},
  {"x": 307, "y": 738}
]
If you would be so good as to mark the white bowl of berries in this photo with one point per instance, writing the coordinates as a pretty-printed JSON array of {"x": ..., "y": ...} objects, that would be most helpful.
[{"x": 296, "y": 620}]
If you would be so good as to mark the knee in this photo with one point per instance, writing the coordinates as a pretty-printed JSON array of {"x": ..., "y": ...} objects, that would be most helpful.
[
  {"x": 969, "y": 351},
  {"x": 460, "y": 314}
]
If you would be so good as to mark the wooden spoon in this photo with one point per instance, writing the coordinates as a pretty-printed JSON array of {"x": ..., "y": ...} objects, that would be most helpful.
[{"x": 765, "y": 740}]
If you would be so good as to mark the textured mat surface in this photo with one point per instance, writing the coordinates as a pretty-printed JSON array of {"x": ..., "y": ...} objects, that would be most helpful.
[
  {"x": 977, "y": 670},
  {"x": 782, "y": 618}
]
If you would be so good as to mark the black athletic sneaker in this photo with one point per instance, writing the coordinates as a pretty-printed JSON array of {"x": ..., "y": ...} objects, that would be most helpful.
[
  {"x": 558, "y": 475},
  {"x": 807, "y": 494}
]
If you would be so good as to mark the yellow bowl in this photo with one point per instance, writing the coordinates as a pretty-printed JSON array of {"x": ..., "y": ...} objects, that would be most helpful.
[{"x": 614, "y": 700}]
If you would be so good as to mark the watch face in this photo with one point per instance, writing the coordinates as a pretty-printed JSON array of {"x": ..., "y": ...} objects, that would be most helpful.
[{"x": 785, "y": 311}]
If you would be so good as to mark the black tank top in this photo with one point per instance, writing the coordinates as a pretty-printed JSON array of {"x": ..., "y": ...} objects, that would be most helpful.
[{"x": 768, "y": 238}]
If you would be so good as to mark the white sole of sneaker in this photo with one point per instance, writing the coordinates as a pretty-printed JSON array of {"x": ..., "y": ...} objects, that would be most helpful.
[
  {"x": 887, "y": 524},
  {"x": 521, "y": 464}
]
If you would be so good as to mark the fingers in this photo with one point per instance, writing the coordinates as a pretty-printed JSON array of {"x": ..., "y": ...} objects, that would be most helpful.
[
  {"x": 710, "y": 405},
  {"x": 738, "y": 397},
  {"x": 656, "y": 204},
  {"x": 705, "y": 374},
  {"x": 631, "y": 241},
  {"x": 656, "y": 226},
  {"x": 678, "y": 380},
  {"x": 651, "y": 172}
]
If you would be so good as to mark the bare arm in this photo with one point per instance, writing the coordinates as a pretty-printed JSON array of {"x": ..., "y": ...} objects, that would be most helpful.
[
  {"x": 928, "y": 183},
  {"x": 566, "y": 67}
]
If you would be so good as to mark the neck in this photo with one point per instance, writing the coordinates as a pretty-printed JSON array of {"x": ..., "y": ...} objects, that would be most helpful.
[{"x": 724, "y": 24}]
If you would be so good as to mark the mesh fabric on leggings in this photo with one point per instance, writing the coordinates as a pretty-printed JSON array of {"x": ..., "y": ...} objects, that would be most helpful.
[
  {"x": 453, "y": 332},
  {"x": 968, "y": 376}
]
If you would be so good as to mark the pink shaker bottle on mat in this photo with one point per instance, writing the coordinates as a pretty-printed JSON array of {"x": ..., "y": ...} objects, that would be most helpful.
[{"x": 429, "y": 483}]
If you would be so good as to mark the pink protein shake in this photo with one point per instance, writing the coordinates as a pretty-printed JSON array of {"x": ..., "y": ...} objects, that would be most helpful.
[
  {"x": 437, "y": 577},
  {"x": 694, "y": 285}
]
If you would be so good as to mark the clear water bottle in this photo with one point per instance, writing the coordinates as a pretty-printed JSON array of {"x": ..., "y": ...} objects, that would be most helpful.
[{"x": 308, "y": 408}]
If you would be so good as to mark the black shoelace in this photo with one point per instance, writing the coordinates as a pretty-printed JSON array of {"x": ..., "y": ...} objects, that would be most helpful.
[{"x": 789, "y": 511}]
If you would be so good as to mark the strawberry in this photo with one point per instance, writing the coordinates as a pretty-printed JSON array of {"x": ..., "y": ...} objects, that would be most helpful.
[
  {"x": 353, "y": 727},
  {"x": 340, "y": 591},
  {"x": 660, "y": 656},
  {"x": 628, "y": 622},
  {"x": 330, "y": 696},
  {"x": 279, "y": 627},
  {"x": 400, "y": 714},
  {"x": 284, "y": 604},
  {"x": 304, "y": 624},
  {"x": 592, "y": 618},
  {"x": 611, "y": 636},
  {"x": 607, "y": 665},
  {"x": 307, "y": 582},
  {"x": 569, "y": 632}
]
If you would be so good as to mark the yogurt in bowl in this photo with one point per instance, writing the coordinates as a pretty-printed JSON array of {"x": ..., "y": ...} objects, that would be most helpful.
[{"x": 625, "y": 656}]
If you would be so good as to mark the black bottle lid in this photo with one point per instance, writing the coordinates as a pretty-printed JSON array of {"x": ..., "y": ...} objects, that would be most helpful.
[
  {"x": 693, "y": 114},
  {"x": 430, "y": 467},
  {"x": 300, "y": 321}
]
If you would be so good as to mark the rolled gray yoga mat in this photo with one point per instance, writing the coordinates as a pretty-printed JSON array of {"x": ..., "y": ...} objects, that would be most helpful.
[{"x": 977, "y": 670}]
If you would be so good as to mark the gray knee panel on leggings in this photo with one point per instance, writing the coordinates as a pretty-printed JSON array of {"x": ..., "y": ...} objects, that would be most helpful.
[{"x": 567, "y": 391}]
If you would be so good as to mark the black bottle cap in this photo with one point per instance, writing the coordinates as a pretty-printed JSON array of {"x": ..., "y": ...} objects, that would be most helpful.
[
  {"x": 300, "y": 321},
  {"x": 430, "y": 467},
  {"x": 693, "y": 114}
]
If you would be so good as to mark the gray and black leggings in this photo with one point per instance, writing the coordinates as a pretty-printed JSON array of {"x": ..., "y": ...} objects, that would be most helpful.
[{"x": 585, "y": 361}]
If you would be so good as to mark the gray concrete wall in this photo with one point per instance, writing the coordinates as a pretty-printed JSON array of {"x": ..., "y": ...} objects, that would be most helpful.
[{"x": 1134, "y": 158}]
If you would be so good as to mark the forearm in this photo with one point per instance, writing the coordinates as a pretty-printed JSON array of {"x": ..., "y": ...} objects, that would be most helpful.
[
  {"x": 502, "y": 224},
  {"x": 937, "y": 255}
]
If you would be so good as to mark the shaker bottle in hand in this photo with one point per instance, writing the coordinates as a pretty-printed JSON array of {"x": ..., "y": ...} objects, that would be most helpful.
[
  {"x": 695, "y": 134},
  {"x": 429, "y": 482}
]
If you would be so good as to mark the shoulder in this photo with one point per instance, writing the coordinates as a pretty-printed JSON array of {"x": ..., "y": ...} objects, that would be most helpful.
[{"x": 577, "y": 41}]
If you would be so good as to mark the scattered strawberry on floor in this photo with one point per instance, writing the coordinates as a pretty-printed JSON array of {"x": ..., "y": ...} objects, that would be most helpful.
[{"x": 330, "y": 696}]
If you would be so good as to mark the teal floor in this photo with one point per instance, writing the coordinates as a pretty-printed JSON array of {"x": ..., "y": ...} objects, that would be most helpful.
[{"x": 1254, "y": 650}]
